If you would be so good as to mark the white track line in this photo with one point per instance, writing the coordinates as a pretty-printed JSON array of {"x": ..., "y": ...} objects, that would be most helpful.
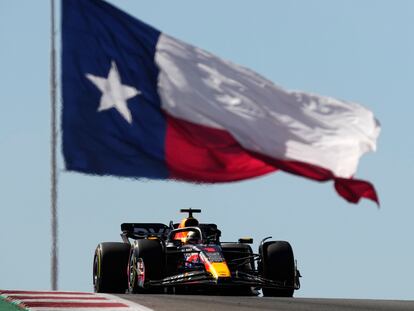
[{"x": 70, "y": 297}]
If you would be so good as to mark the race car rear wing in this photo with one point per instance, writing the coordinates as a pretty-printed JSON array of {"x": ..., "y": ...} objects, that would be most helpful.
[{"x": 143, "y": 230}]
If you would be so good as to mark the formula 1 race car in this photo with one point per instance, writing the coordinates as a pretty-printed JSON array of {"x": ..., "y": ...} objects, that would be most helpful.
[{"x": 189, "y": 257}]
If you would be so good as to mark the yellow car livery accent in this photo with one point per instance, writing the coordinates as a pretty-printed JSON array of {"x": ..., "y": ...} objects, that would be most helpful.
[{"x": 218, "y": 270}]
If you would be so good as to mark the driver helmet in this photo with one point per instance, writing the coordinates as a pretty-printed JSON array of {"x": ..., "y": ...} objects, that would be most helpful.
[
  {"x": 186, "y": 222},
  {"x": 192, "y": 237},
  {"x": 189, "y": 222}
]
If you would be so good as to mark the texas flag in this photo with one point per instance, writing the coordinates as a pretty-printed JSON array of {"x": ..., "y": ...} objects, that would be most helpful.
[{"x": 140, "y": 103}]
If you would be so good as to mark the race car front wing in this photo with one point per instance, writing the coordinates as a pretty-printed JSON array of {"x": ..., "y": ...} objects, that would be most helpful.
[{"x": 237, "y": 278}]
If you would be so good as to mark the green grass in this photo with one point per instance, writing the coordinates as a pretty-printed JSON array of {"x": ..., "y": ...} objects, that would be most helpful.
[{"x": 8, "y": 306}]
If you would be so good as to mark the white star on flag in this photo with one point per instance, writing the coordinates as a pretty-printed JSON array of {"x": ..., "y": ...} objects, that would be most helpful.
[{"x": 114, "y": 93}]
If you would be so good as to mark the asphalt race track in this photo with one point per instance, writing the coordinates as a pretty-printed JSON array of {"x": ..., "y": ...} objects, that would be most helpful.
[{"x": 230, "y": 303}]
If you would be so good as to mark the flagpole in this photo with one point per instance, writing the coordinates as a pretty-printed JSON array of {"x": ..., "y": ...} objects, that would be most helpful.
[{"x": 53, "y": 145}]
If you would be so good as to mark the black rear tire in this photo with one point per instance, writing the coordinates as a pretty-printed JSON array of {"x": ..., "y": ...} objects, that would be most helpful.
[
  {"x": 109, "y": 267},
  {"x": 278, "y": 264},
  {"x": 145, "y": 263}
]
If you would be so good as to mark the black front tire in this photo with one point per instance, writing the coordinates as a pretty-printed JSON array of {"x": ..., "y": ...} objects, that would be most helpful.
[
  {"x": 109, "y": 267},
  {"x": 278, "y": 264}
]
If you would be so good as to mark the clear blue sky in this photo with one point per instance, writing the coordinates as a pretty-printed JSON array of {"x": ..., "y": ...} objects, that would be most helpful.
[{"x": 355, "y": 50}]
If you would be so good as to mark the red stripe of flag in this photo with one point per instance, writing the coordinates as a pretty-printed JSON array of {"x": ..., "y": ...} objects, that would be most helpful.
[{"x": 213, "y": 155}]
